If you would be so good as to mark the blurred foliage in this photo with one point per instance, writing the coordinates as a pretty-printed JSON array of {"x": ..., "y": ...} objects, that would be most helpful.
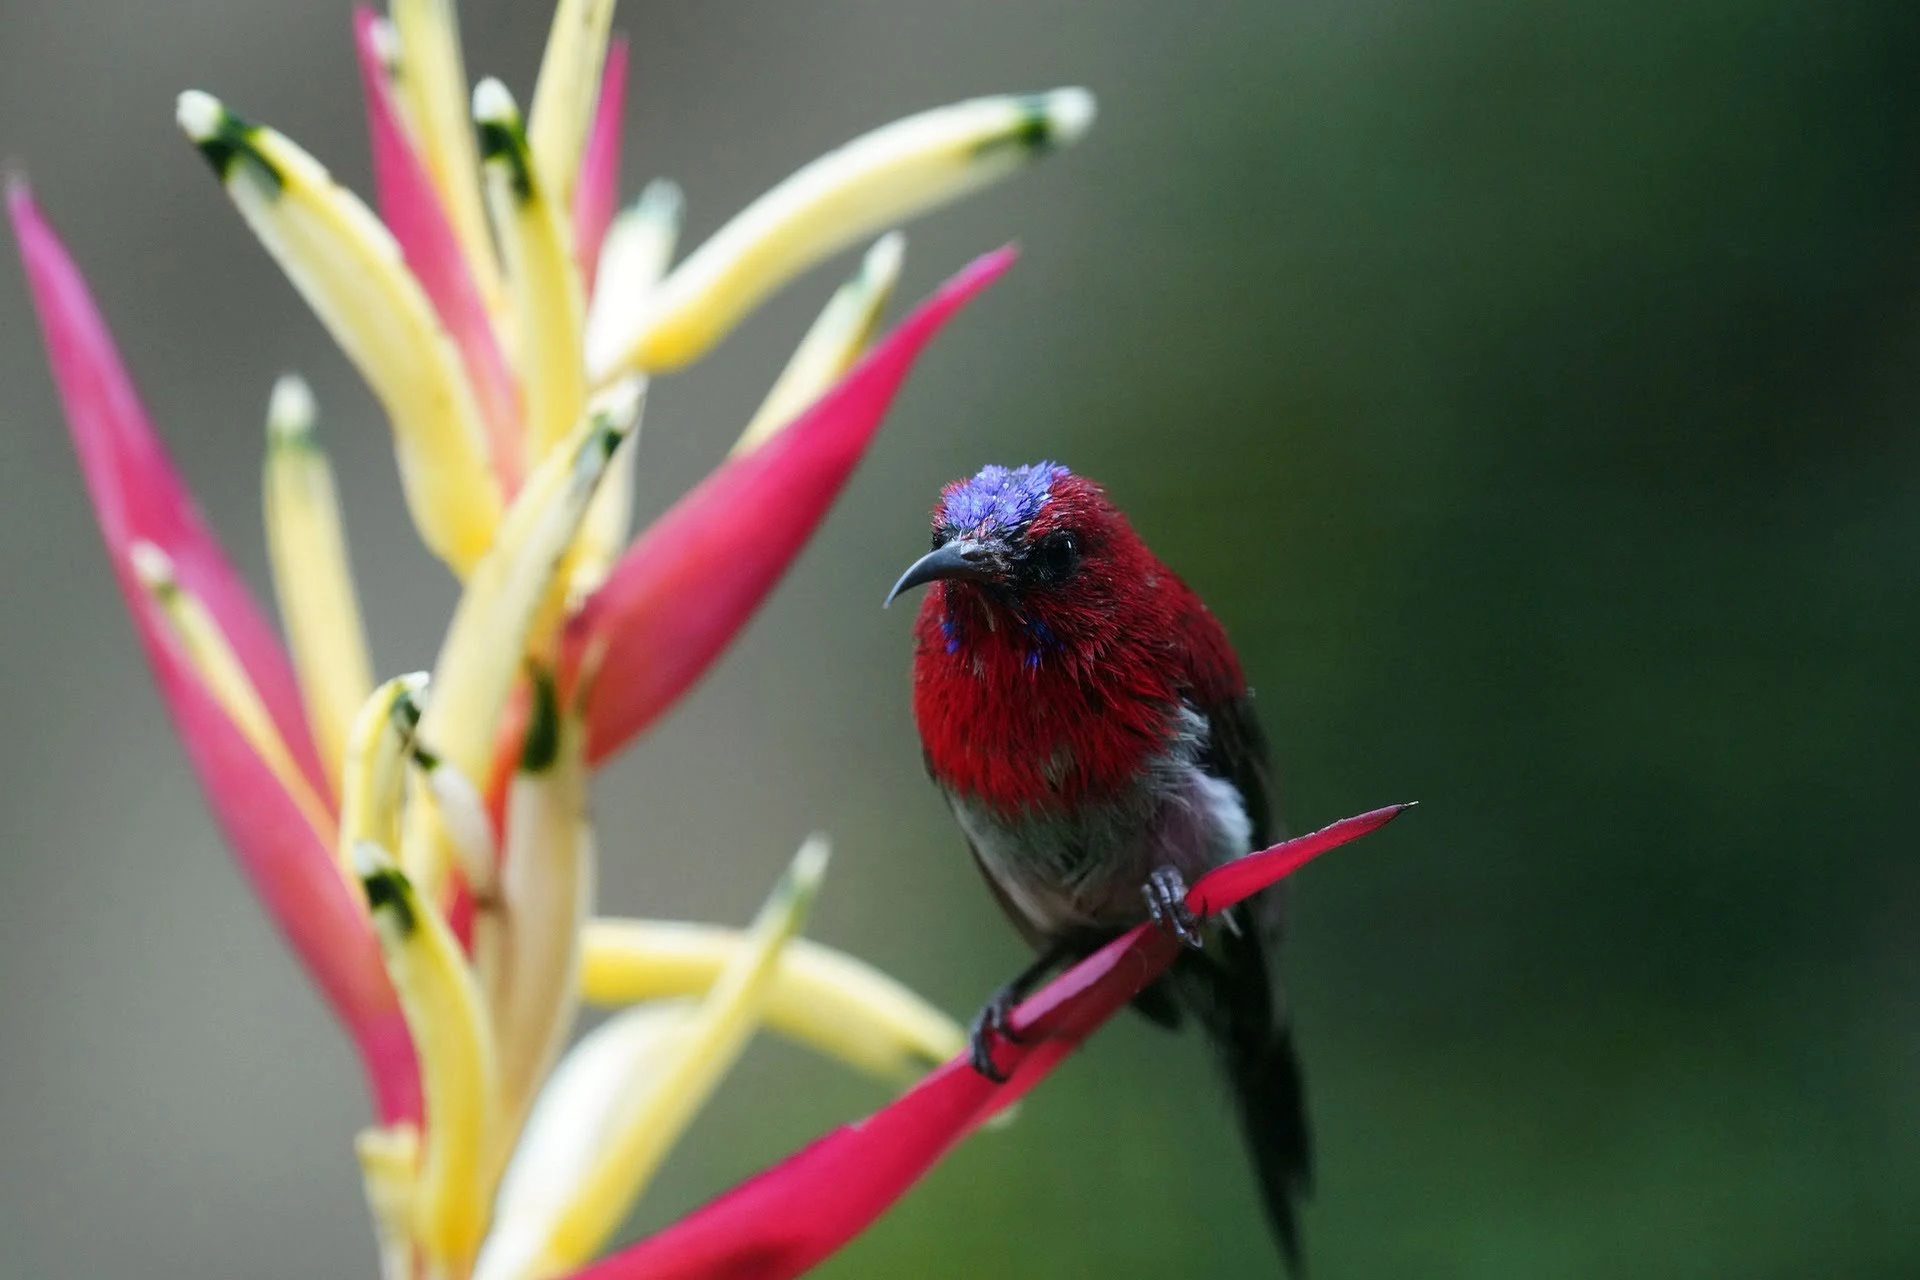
[{"x": 1532, "y": 389}]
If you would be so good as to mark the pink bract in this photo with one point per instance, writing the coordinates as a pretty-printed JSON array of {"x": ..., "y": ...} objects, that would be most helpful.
[
  {"x": 139, "y": 497},
  {"x": 137, "y": 494},
  {"x": 597, "y": 193}
]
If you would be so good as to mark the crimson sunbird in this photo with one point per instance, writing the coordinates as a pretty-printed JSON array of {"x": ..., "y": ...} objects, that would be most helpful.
[{"x": 1088, "y": 721}]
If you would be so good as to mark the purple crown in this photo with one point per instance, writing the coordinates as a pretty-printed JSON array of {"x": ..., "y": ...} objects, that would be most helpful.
[{"x": 998, "y": 498}]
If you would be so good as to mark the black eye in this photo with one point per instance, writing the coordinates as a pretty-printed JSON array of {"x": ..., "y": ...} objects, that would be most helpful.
[{"x": 1056, "y": 556}]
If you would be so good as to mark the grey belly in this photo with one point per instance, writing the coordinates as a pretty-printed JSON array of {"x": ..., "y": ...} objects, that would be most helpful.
[{"x": 1084, "y": 868}]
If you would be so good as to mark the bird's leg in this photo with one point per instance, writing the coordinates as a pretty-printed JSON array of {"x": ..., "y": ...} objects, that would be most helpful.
[
  {"x": 991, "y": 1019},
  {"x": 1166, "y": 895},
  {"x": 994, "y": 1016}
]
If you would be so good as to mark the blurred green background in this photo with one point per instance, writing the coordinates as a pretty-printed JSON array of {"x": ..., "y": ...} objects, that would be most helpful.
[{"x": 1532, "y": 388}]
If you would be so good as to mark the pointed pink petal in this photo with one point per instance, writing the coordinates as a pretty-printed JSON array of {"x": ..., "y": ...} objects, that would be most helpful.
[
  {"x": 136, "y": 492},
  {"x": 597, "y": 192},
  {"x": 690, "y": 582},
  {"x": 138, "y": 497},
  {"x": 293, "y": 873},
  {"x": 412, "y": 211},
  {"x": 791, "y": 1217},
  {"x": 1234, "y": 882}
]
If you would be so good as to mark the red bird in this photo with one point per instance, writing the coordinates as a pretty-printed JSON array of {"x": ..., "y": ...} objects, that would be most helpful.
[{"x": 1088, "y": 721}]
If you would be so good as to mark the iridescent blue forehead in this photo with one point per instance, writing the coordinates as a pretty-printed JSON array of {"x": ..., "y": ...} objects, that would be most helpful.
[{"x": 999, "y": 497}]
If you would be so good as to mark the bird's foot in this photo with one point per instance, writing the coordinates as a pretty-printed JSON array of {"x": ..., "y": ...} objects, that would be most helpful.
[
  {"x": 993, "y": 1020},
  {"x": 1166, "y": 895}
]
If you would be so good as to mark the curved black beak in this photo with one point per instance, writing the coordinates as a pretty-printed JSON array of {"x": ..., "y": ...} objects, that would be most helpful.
[{"x": 961, "y": 558}]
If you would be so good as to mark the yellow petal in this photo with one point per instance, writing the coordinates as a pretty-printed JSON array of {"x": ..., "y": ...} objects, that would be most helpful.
[
  {"x": 841, "y": 1006},
  {"x": 374, "y": 771},
  {"x": 388, "y": 1158},
  {"x": 459, "y": 823},
  {"x": 599, "y": 1079},
  {"x": 603, "y": 534},
  {"x": 220, "y": 670},
  {"x": 634, "y": 256},
  {"x": 867, "y": 185},
  {"x": 546, "y": 891},
  {"x": 445, "y": 809},
  {"x": 350, "y": 271},
  {"x": 639, "y": 1137},
  {"x": 835, "y": 341},
  {"x": 311, "y": 575},
  {"x": 483, "y": 650},
  {"x": 542, "y": 280},
  {"x": 448, "y": 1022},
  {"x": 486, "y": 643},
  {"x": 568, "y": 88},
  {"x": 432, "y": 80}
]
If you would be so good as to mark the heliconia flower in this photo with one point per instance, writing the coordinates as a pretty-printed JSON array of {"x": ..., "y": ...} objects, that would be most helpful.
[{"x": 425, "y": 841}]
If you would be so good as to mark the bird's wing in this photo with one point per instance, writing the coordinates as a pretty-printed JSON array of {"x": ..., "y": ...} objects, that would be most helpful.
[
  {"x": 1236, "y": 746},
  {"x": 1236, "y": 750},
  {"x": 1230, "y": 986}
]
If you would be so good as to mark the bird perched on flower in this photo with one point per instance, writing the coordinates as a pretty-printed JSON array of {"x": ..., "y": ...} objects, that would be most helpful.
[{"x": 1089, "y": 723}]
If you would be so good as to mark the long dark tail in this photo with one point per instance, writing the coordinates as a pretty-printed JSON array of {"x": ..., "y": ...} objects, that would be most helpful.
[{"x": 1229, "y": 991}]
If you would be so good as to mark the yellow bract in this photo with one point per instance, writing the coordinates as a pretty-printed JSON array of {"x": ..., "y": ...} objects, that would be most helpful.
[
  {"x": 867, "y": 185},
  {"x": 561, "y": 1217},
  {"x": 831, "y": 346},
  {"x": 542, "y": 281},
  {"x": 841, "y": 1006},
  {"x": 448, "y": 1022},
  {"x": 350, "y": 270},
  {"x": 658, "y": 1110},
  {"x": 373, "y": 769},
  {"x": 546, "y": 892},
  {"x": 567, "y": 91},
  {"x": 311, "y": 575},
  {"x": 388, "y": 1158},
  {"x": 220, "y": 669},
  {"x": 633, "y": 257},
  {"x": 569, "y": 1127},
  {"x": 485, "y": 645},
  {"x": 482, "y": 651},
  {"x": 609, "y": 519},
  {"x": 432, "y": 82}
]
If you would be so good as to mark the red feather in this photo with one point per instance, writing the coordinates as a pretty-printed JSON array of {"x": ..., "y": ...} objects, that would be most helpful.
[{"x": 1062, "y": 696}]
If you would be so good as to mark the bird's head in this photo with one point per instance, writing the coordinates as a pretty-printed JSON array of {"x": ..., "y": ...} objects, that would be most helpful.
[
  {"x": 1052, "y": 645},
  {"x": 1034, "y": 540}
]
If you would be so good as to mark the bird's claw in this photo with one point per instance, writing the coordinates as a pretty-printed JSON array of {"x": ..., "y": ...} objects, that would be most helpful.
[
  {"x": 993, "y": 1019},
  {"x": 1166, "y": 895}
]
